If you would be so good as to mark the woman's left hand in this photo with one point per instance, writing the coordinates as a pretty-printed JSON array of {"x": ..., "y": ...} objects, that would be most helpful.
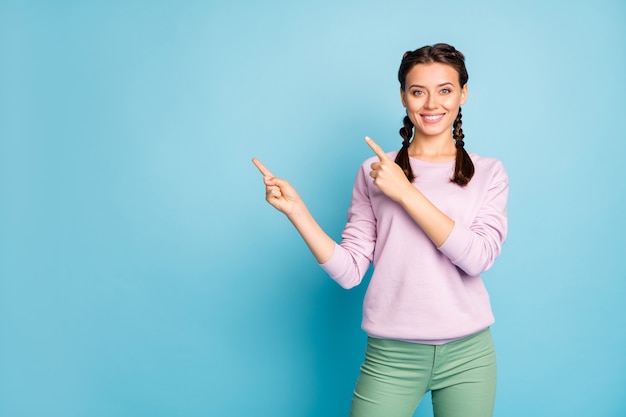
[{"x": 388, "y": 176}]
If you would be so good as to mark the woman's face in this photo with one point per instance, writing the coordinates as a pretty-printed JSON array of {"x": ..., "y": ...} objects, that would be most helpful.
[{"x": 432, "y": 97}]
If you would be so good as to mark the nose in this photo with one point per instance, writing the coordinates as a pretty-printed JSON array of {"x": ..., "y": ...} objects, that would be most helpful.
[{"x": 431, "y": 102}]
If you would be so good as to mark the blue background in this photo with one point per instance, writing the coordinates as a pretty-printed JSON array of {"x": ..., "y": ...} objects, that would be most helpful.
[{"x": 142, "y": 272}]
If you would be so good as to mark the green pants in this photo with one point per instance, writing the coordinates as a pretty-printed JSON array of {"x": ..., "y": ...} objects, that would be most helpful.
[{"x": 461, "y": 376}]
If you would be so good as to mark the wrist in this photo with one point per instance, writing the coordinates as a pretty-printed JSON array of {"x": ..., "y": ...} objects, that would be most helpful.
[
  {"x": 409, "y": 196},
  {"x": 298, "y": 212}
]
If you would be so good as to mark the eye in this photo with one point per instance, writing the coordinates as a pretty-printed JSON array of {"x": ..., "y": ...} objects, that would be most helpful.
[
  {"x": 417, "y": 92},
  {"x": 445, "y": 91}
]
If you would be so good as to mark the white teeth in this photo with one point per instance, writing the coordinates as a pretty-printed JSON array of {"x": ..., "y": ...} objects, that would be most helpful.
[{"x": 439, "y": 116}]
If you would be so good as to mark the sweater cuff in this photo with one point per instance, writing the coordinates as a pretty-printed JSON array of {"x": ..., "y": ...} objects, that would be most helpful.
[
  {"x": 340, "y": 268},
  {"x": 455, "y": 246},
  {"x": 334, "y": 265}
]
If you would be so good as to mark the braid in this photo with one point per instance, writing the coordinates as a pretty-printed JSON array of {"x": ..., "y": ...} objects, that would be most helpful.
[
  {"x": 464, "y": 168},
  {"x": 402, "y": 158}
]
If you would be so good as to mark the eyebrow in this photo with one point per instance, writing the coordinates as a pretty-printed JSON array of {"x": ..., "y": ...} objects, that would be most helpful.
[{"x": 440, "y": 85}]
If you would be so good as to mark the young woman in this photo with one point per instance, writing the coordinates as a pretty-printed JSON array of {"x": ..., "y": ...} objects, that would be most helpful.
[{"x": 432, "y": 218}]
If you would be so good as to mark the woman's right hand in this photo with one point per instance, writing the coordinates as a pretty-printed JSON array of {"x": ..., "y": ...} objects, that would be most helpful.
[{"x": 278, "y": 192}]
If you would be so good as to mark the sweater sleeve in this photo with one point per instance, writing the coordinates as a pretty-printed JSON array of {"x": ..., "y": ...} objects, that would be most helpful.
[
  {"x": 352, "y": 257},
  {"x": 475, "y": 248}
]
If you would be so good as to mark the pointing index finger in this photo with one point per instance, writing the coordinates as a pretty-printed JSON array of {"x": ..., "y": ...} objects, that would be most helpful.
[
  {"x": 266, "y": 172},
  {"x": 377, "y": 149}
]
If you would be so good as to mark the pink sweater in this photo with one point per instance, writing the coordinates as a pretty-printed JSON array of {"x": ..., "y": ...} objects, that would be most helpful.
[{"x": 418, "y": 292}]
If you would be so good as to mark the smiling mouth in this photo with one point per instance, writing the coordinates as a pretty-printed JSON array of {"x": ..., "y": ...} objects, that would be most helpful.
[{"x": 432, "y": 118}]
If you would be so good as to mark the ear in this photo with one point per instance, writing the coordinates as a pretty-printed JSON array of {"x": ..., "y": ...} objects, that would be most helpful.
[
  {"x": 464, "y": 94},
  {"x": 403, "y": 97}
]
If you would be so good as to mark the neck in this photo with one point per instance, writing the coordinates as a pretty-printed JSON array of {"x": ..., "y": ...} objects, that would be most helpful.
[{"x": 435, "y": 149}]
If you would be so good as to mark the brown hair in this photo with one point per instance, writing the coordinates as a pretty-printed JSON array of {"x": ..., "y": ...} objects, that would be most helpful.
[{"x": 444, "y": 54}]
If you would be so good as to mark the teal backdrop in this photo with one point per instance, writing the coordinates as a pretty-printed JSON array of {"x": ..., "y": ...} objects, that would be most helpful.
[{"x": 142, "y": 273}]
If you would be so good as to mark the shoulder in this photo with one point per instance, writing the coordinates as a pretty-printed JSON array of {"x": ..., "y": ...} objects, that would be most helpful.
[
  {"x": 488, "y": 167},
  {"x": 486, "y": 162}
]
